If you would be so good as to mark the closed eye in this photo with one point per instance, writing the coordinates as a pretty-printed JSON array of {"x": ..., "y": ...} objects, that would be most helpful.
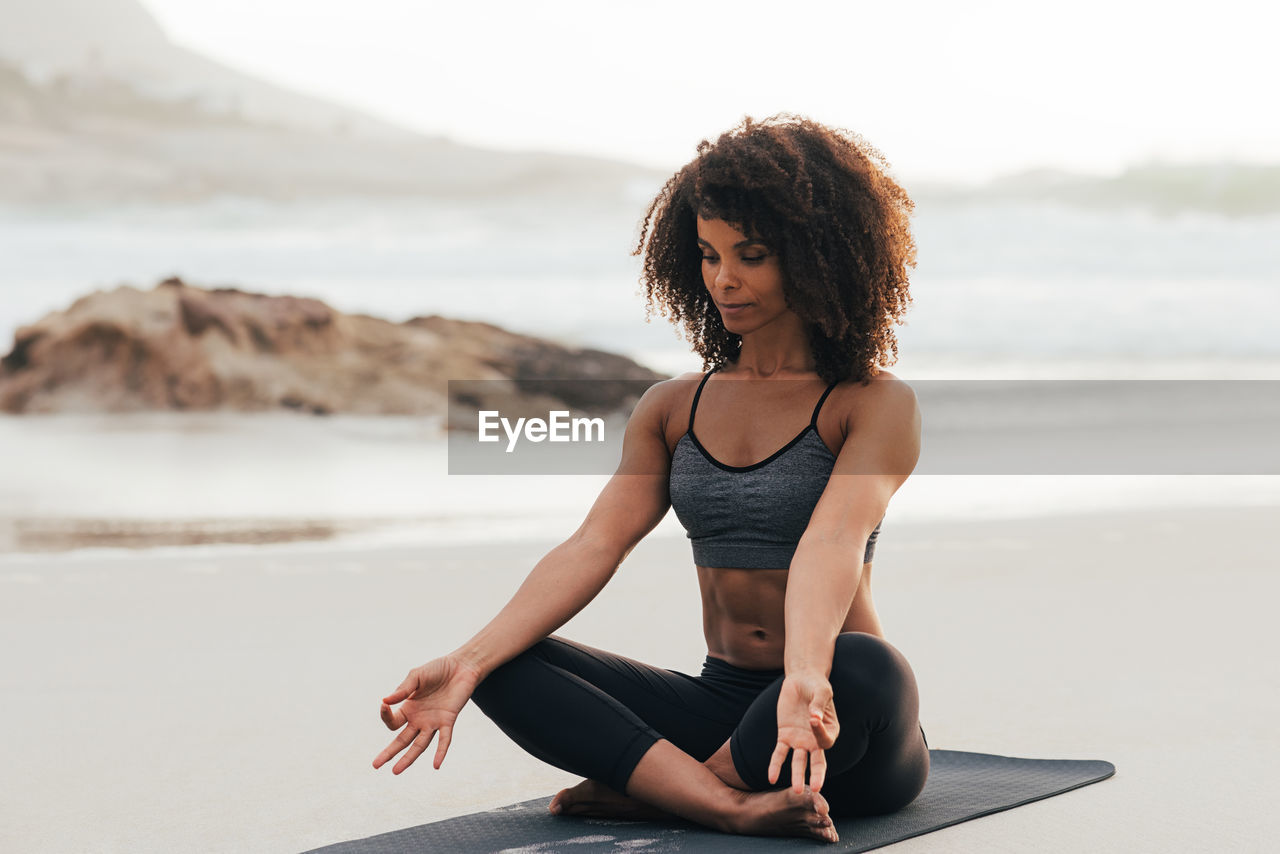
[{"x": 746, "y": 259}]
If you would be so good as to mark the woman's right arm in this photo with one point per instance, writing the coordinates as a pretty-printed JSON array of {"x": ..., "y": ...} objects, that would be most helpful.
[{"x": 631, "y": 504}]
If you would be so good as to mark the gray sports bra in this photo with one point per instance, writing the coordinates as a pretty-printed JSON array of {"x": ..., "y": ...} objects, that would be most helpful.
[{"x": 751, "y": 516}]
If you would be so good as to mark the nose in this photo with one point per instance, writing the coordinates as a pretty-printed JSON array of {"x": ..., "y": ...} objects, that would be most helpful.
[{"x": 725, "y": 278}]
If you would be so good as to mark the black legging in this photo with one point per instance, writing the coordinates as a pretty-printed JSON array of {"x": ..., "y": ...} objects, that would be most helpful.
[{"x": 595, "y": 714}]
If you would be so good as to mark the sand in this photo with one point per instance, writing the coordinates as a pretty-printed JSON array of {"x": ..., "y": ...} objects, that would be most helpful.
[{"x": 226, "y": 700}]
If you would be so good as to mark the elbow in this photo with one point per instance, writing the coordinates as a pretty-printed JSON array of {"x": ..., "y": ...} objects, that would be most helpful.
[{"x": 591, "y": 550}]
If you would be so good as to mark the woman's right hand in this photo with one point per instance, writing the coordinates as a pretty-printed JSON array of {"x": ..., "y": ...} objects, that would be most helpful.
[{"x": 430, "y": 698}]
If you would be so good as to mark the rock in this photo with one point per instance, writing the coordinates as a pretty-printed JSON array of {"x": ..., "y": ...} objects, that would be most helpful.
[
  {"x": 179, "y": 347},
  {"x": 589, "y": 380}
]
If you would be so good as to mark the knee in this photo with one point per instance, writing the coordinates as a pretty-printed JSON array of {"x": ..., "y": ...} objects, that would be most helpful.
[
  {"x": 865, "y": 650},
  {"x": 863, "y": 662},
  {"x": 489, "y": 688},
  {"x": 510, "y": 680}
]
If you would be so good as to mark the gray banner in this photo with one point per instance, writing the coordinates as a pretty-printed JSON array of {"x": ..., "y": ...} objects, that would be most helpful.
[{"x": 1000, "y": 427}]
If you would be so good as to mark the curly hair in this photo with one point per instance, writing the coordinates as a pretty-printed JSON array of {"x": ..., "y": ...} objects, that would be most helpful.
[{"x": 822, "y": 199}]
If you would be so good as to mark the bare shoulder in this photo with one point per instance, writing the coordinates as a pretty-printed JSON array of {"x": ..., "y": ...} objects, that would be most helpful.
[
  {"x": 881, "y": 423},
  {"x": 681, "y": 384},
  {"x": 665, "y": 398},
  {"x": 886, "y": 399},
  {"x": 655, "y": 416},
  {"x": 889, "y": 386}
]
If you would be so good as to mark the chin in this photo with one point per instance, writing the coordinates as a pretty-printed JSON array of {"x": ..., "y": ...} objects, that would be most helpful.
[{"x": 740, "y": 326}]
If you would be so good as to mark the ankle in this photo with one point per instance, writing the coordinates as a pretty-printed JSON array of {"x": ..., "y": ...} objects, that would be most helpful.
[
  {"x": 722, "y": 766},
  {"x": 735, "y": 816}
]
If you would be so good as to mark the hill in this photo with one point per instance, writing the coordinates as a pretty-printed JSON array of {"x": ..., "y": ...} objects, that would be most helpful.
[{"x": 97, "y": 106}]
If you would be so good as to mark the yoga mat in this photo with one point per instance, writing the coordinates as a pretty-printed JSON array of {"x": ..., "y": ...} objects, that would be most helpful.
[{"x": 961, "y": 786}]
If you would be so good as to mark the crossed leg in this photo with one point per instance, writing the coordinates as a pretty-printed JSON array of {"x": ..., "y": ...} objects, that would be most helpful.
[{"x": 655, "y": 741}]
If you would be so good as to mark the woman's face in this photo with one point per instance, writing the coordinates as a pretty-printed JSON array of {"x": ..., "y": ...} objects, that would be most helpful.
[{"x": 743, "y": 276}]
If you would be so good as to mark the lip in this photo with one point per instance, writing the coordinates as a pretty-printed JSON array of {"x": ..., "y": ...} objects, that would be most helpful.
[{"x": 733, "y": 308}]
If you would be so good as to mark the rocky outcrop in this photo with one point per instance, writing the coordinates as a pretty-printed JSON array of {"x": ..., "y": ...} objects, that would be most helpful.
[{"x": 178, "y": 347}]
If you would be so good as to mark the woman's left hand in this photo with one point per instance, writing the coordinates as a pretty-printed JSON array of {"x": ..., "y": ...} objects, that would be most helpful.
[{"x": 807, "y": 726}]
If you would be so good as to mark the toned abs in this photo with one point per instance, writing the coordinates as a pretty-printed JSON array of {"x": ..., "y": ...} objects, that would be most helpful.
[
  {"x": 743, "y": 609},
  {"x": 742, "y": 614}
]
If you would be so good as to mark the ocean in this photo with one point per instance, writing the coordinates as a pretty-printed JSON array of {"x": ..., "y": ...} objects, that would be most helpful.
[{"x": 1001, "y": 290}]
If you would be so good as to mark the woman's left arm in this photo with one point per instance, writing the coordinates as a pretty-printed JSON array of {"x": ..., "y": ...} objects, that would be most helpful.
[{"x": 881, "y": 447}]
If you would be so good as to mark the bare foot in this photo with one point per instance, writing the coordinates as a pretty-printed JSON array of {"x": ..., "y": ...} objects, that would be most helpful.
[
  {"x": 772, "y": 813},
  {"x": 785, "y": 813},
  {"x": 596, "y": 800}
]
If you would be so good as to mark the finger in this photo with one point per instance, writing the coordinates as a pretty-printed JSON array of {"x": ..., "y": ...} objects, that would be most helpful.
[
  {"x": 775, "y": 762},
  {"x": 393, "y": 718},
  {"x": 825, "y": 728},
  {"x": 831, "y": 729},
  {"x": 799, "y": 758},
  {"x": 399, "y": 743},
  {"x": 419, "y": 746},
  {"x": 407, "y": 687},
  {"x": 817, "y": 769},
  {"x": 442, "y": 747}
]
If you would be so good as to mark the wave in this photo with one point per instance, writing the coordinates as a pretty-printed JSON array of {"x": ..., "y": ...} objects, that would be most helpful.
[{"x": 1233, "y": 188}]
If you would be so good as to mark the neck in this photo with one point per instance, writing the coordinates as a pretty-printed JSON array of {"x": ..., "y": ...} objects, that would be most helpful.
[{"x": 776, "y": 350}]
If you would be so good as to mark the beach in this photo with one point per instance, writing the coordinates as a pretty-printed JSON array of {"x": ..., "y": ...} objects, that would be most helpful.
[
  {"x": 201, "y": 610},
  {"x": 226, "y": 699},
  {"x": 237, "y": 310}
]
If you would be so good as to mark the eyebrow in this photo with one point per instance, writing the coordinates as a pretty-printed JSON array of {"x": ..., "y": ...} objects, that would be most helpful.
[{"x": 750, "y": 241}]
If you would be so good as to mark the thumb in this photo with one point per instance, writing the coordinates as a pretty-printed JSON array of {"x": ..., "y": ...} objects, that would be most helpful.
[{"x": 407, "y": 687}]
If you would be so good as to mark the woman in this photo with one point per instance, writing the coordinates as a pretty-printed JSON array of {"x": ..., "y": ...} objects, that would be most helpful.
[{"x": 783, "y": 250}]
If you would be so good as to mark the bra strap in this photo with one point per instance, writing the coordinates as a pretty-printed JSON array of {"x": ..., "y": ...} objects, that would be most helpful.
[
  {"x": 697, "y": 394},
  {"x": 821, "y": 400}
]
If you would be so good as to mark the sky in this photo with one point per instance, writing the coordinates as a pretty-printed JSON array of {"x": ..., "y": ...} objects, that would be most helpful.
[{"x": 952, "y": 91}]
